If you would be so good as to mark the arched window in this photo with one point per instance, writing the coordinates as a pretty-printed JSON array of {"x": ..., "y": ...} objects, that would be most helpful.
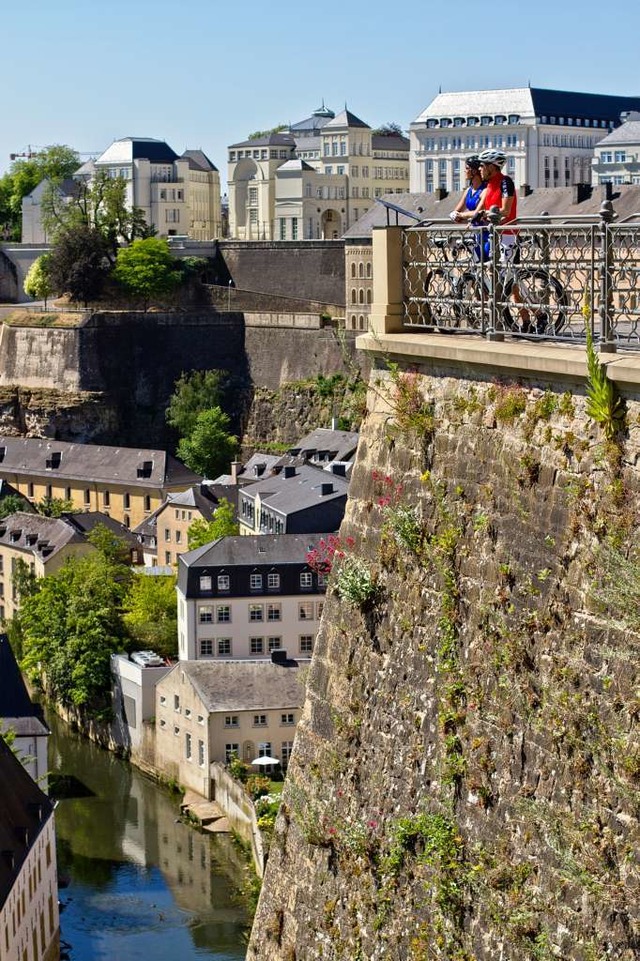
[
  {"x": 369, "y": 296},
  {"x": 369, "y": 269},
  {"x": 360, "y": 269},
  {"x": 361, "y": 296},
  {"x": 354, "y": 298},
  {"x": 361, "y": 322},
  {"x": 353, "y": 270},
  {"x": 353, "y": 321}
]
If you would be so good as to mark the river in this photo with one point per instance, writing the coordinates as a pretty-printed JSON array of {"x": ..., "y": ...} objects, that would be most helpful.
[{"x": 137, "y": 882}]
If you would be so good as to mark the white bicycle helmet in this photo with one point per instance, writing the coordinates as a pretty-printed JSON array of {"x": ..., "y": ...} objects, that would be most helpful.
[{"x": 495, "y": 157}]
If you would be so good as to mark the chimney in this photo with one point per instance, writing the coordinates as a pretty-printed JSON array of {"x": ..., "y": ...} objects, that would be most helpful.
[
  {"x": 339, "y": 470},
  {"x": 524, "y": 190},
  {"x": 326, "y": 489},
  {"x": 279, "y": 656},
  {"x": 289, "y": 470},
  {"x": 440, "y": 193},
  {"x": 581, "y": 192},
  {"x": 235, "y": 470},
  {"x": 607, "y": 191}
]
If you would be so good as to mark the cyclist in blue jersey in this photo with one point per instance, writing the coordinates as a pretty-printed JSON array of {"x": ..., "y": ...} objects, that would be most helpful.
[{"x": 471, "y": 198}]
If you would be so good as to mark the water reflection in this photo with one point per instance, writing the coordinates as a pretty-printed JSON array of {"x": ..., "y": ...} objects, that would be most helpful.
[{"x": 141, "y": 883}]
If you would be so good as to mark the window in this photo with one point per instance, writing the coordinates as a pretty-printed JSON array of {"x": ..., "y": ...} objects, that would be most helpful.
[
  {"x": 205, "y": 615},
  {"x": 231, "y": 751},
  {"x": 259, "y": 720},
  {"x": 223, "y": 614},
  {"x": 163, "y": 699},
  {"x": 224, "y": 647},
  {"x": 256, "y": 645},
  {"x": 274, "y": 612},
  {"x": 306, "y": 643},
  {"x": 620, "y": 156},
  {"x": 206, "y": 647},
  {"x": 201, "y": 753},
  {"x": 232, "y": 720},
  {"x": 147, "y": 504},
  {"x": 273, "y": 582},
  {"x": 200, "y": 719},
  {"x": 178, "y": 537},
  {"x": 264, "y": 748},
  {"x": 285, "y": 753},
  {"x": 106, "y": 498},
  {"x": 256, "y": 612},
  {"x": 306, "y": 580},
  {"x": 167, "y": 557},
  {"x": 224, "y": 582},
  {"x": 176, "y": 702},
  {"x": 187, "y": 746},
  {"x": 172, "y": 215},
  {"x": 305, "y": 611},
  {"x": 126, "y": 501},
  {"x": 274, "y": 644},
  {"x": 30, "y": 490},
  {"x": 294, "y": 228},
  {"x": 319, "y": 609},
  {"x": 176, "y": 730},
  {"x": 255, "y": 582},
  {"x": 206, "y": 584},
  {"x": 287, "y": 719}
]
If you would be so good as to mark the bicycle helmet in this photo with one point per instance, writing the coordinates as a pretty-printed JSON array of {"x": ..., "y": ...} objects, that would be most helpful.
[
  {"x": 473, "y": 162},
  {"x": 495, "y": 157}
]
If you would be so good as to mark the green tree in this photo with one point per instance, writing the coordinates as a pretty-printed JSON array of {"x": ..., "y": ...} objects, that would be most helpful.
[
  {"x": 13, "y": 503},
  {"x": 194, "y": 393},
  {"x": 37, "y": 283},
  {"x": 23, "y": 580},
  {"x": 78, "y": 263},
  {"x": 52, "y": 163},
  {"x": 151, "y": 613},
  {"x": 209, "y": 448},
  {"x": 54, "y": 507},
  {"x": 222, "y": 524},
  {"x": 266, "y": 133},
  {"x": 147, "y": 269},
  {"x": 70, "y": 627},
  {"x": 392, "y": 129}
]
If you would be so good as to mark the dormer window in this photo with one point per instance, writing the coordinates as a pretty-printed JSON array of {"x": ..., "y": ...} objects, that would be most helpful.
[
  {"x": 145, "y": 468},
  {"x": 515, "y": 118},
  {"x": 3, "y": 451},
  {"x": 31, "y": 539},
  {"x": 485, "y": 121},
  {"x": 472, "y": 121},
  {"x": 15, "y": 536},
  {"x": 53, "y": 460},
  {"x": 432, "y": 123},
  {"x": 458, "y": 121}
]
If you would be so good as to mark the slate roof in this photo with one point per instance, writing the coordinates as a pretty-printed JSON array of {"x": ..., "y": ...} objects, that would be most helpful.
[
  {"x": 198, "y": 160},
  {"x": 338, "y": 444},
  {"x": 302, "y": 489},
  {"x": 138, "y": 148},
  {"x": 24, "y": 811},
  {"x": 244, "y": 686},
  {"x": 34, "y": 534},
  {"x": 626, "y": 133},
  {"x": 528, "y": 103},
  {"x": 92, "y": 462},
  {"x": 318, "y": 119},
  {"x": 346, "y": 119},
  {"x": 389, "y": 142},
  {"x": 17, "y": 711},
  {"x": 252, "y": 549},
  {"x": 269, "y": 140},
  {"x": 86, "y": 521},
  {"x": 556, "y": 201}
]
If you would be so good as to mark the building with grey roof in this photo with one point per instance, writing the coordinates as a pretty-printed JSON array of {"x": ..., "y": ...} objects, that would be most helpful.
[
  {"x": 208, "y": 712},
  {"x": 248, "y": 596},
  {"x": 296, "y": 499},
  {"x": 617, "y": 156},
  {"x": 29, "y": 919},
  {"x": 127, "y": 483},
  {"x": 21, "y": 716},
  {"x": 164, "y": 534},
  {"x": 548, "y": 136},
  {"x": 313, "y": 180}
]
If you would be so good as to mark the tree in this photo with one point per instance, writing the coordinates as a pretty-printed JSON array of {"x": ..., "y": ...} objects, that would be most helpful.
[
  {"x": 222, "y": 524},
  {"x": 78, "y": 263},
  {"x": 209, "y": 448},
  {"x": 151, "y": 613},
  {"x": 12, "y": 503},
  {"x": 54, "y": 506},
  {"x": 147, "y": 268},
  {"x": 54, "y": 163},
  {"x": 37, "y": 283},
  {"x": 193, "y": 393},
  {"x": 392, "y": 129},
  {"x": 265, "y": 133}
]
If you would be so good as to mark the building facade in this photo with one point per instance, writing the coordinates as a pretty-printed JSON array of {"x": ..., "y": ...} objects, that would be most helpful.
[
  {"x": 617, "y": 156},
  {"x": 299, "y": 498},
  {"x": 124, "y": 483},
  {"x": 29, "y": 918},
  {"x": 245, "y": 597},
  {"x": 314, "y": 179},
  {"x": 549, "y": 136}
]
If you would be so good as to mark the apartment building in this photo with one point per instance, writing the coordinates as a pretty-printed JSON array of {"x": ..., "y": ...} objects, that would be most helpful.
[
  {"x": 29, "y": 919},
  {"x": 245, "y": 597},
  {"x": 617, "y": 156},
  {"x": 314, "y": 179},
  {"x": 294, "y": 499},
  {"x": 21, "y": 716},
  {"x": 164, "y": 535},
  {"x": 549, "y": 136},
  {"x": 124, "y": 483}
]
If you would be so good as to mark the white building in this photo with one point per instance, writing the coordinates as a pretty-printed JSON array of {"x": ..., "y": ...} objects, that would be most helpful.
[
  {"x": 247, "y": 596},
  {"x": 549, "y": 136},
  {"x": 617, "y": 156}
]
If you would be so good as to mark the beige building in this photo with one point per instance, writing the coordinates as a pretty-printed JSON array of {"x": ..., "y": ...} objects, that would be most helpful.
[
  {"x": 165, "y": 533},
  {"x": 548, "y": 136},
  {"x": 125, "y": 483},
  {"x": 617, "y": 157},
  {"x": 313, "y": 180},
  {"x": 29, "y": 920},
  {"x": 207, "y": 712}
]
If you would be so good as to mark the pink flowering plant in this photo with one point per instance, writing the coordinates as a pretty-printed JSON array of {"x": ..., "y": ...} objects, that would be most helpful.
[
  {"x": 352, "y": 579},
  {"x": 401, "y": 521}
]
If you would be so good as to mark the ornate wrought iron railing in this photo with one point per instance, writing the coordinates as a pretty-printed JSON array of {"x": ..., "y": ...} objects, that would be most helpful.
[{"x": 567, "y": 272}]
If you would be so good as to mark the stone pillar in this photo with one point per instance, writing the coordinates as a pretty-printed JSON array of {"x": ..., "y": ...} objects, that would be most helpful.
[{"x": 387, "y": 307}]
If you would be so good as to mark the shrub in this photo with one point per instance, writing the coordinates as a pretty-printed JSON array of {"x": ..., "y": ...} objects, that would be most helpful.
[{"x": 355, "y": 582}]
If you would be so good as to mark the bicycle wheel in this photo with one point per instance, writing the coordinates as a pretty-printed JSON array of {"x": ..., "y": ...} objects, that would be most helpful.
[
  {"x": 439, "y": 294},
  {"x": 468, "y": 305},
  {"x": 543, "y": 297}
]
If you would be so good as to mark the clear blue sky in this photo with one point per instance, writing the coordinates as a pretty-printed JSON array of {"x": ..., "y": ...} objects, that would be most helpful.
[{"x": 201, "y": 73}]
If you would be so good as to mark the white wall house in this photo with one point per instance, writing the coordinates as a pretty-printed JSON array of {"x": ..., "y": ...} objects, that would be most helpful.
[
  {"x": 617, "y": 156},
  {"x": 244, "y": 597},
  {"x": 549, "y": 136}
]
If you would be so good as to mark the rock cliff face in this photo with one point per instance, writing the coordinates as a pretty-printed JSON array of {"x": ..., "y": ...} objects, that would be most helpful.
[{"x": 464, "y": 783}]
